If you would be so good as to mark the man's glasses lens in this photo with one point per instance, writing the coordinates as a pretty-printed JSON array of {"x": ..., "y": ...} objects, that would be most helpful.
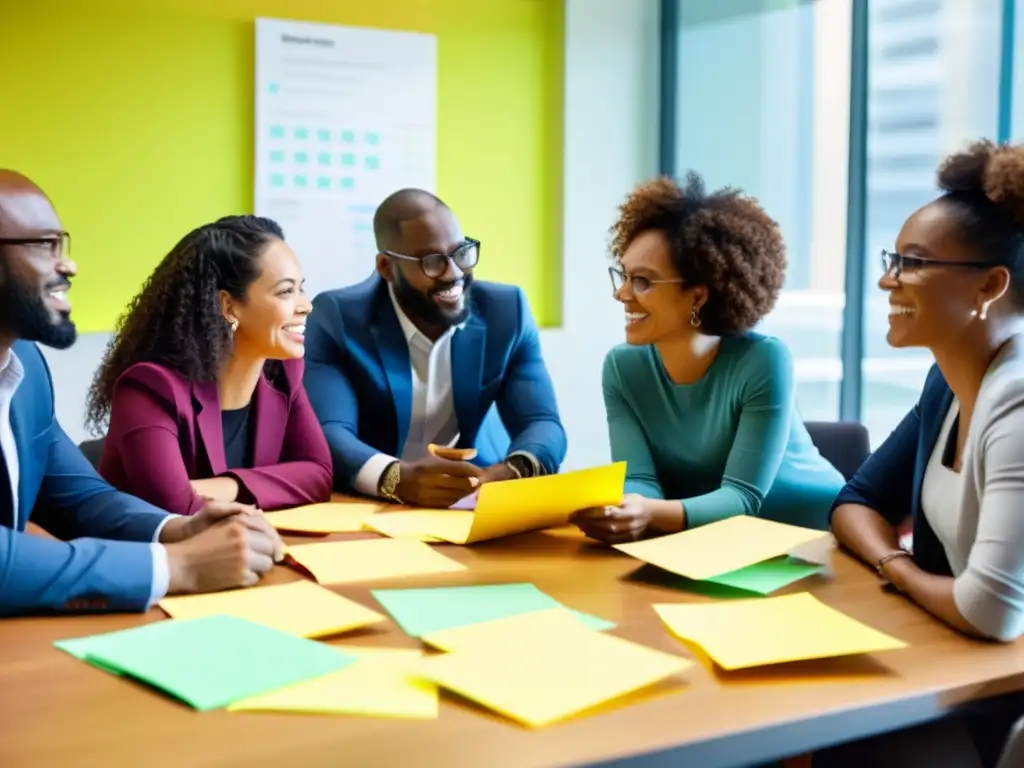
[{"x": 465, "y": 257}]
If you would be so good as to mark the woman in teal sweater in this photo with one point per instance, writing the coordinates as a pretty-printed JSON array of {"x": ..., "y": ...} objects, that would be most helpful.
[{"x": 700, "y": 408}]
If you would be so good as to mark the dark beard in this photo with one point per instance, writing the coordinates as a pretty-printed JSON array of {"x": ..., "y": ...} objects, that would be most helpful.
[
  {"x": 24, "y": 313},
  {"x": 423, "y": 307}
]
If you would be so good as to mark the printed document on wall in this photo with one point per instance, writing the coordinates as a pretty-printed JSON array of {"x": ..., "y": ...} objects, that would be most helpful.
[{"x": 344, "y": 117}]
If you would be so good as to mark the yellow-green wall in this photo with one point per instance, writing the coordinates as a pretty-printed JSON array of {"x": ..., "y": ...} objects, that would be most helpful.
[{"x": 136, "y": 117}]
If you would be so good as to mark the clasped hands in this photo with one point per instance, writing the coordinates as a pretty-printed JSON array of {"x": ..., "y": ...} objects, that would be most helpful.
[
  {"x": 615, "y": 524},
  {"x": 226, "y": 544}
]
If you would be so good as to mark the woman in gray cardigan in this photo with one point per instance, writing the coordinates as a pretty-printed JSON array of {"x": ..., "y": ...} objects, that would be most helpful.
[{"x": 956, "y": 462}]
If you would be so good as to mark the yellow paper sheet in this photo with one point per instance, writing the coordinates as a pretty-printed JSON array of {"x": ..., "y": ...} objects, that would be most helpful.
[
  {"x": 718, "y": 548},
  {"x": 515, "y": 506},
  {"x": 339, "y": 562},
  {"x": 302, "y": 608},
  {"x": 538, "y": 680},
  {"x": 422, "y": 524},
  {"x": 517, "y": 630},
  {"x": 380, "y": 684},
  {"x": 738, "y": 634},
  {"x": 322, "y": 518}
]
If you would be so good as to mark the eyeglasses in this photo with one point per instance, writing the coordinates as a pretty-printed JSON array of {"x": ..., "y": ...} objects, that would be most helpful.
[
  {"x": 434, "y": 265},
  {"x": 897, "y": 262},
  {"x": 639, "y": 283},
  {"x": 58, "y": 245}
]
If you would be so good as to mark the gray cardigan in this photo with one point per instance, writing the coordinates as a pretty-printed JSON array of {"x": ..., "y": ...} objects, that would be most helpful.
[{"x": 989, "y": 592}]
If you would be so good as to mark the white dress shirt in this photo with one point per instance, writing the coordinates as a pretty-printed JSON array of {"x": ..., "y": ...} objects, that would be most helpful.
[
  {"x": 433, "y": 417},
  {"x": 11, "y": 374}
]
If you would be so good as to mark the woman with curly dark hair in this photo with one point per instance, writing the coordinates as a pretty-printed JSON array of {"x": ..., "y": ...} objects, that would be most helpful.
[
  {"x": 202, "y": 382},
  {"x": 701, "y": 408}
]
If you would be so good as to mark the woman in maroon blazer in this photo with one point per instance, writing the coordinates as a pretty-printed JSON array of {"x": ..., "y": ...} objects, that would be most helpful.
[{"x": 202, "y": 383}]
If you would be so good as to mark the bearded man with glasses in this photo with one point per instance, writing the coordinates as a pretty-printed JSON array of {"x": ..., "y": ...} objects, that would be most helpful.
[{"x": 428, "y": 384}]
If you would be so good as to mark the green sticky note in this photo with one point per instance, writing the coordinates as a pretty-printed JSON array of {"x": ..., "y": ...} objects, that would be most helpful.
[
  {"x": 348, "y": 136},
  {"x": 347, "y": 182},
  {"x": 372, "y": 162},
  {"x": 212, "y": 661},
  {"x": 323, "y": 134},
  {"x": 348, "y": 159},
  {"x": 422, "y": 611},
  {"x": 767, "y": 576},
  {"x": 277, "y": 131},
  {"x": 79, "y": 648},
  {"x": 324, "y": 158}
]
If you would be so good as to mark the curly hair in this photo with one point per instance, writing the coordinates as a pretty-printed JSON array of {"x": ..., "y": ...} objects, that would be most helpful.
[
  {"x": 723, "y": 241},
  {"x": 175, "y": 320},
  {"x": 984, "y": 187}
]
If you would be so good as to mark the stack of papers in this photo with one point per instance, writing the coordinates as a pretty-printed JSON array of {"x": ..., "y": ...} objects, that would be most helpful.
[
  {"x": 341, "y": 562},
  {"x": 209, "y": 662},
  {"x": 379, "y": 684},
  {"x": 741, "y": 634},
  {"x": 322, "y": 518},
  {"x": 421, "y": 612},
  {"x": 541, "y": 667},
  {"x": 301, "y": 608},
  {"x": 511, "y": 507},
  {"x": 741, "y": 552}
]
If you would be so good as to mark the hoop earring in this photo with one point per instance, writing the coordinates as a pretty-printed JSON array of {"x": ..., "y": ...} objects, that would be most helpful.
[{"x": 695, "y": 318}]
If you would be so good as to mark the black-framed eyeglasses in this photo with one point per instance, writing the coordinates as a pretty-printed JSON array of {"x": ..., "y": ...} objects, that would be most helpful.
[
  {"x": 896, "y": 262},
  {"x": 639, "y": 283},
  {"x": 58, "y": 245},
  {"x": 434, "y": 265}
]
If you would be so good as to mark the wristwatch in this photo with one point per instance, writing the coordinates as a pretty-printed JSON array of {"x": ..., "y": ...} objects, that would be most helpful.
[
  {"x": 389, "y": 482},
  {"x": 524, "y": 464}
]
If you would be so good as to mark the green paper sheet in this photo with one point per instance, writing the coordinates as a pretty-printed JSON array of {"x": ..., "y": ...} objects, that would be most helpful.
[
  {"x": 422, "y": 611},
  {"x": 209, "y": 662},
  {"x": 767, "y": 576},
  {"x": 79, "y": 648}
]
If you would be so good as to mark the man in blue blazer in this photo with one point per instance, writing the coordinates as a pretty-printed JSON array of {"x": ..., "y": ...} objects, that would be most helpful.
[
  {"x": 420, "y": 355},
  {"x": 132, "y": 554}
]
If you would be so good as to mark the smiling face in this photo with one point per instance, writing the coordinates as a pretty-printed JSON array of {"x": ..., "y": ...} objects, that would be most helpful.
[
  {"x": 663, "y": 310},
  {"x": 272, "y": 316},
  {"x": 931, "y": 301},
  {"x": 34, "y": 276},
  {"x": 432, "y": 303}
]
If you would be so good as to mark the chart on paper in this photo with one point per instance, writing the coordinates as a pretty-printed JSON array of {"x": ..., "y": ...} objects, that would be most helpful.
[{"x": 344, "y": 116}]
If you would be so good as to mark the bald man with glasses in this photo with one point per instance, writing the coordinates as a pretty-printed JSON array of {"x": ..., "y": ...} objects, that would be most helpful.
[{"x": 428, "y": 384}]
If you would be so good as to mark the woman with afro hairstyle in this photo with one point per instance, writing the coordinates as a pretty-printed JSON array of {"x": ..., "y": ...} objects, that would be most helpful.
[
  {"x": 699, "y": 407},
  {"x": 202, "y": 382}
]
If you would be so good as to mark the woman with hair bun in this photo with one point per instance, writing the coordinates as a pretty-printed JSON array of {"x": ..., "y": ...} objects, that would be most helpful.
[
  {"x": 700, "y": 408},
  {"x": 956, "y": 462},
  {"x": 202, "y": 382}
]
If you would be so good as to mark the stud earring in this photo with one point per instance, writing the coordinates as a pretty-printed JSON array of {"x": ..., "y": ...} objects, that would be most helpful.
[
  {"x": 233, "y": 324},
  {"x": 695, "y": 318}
]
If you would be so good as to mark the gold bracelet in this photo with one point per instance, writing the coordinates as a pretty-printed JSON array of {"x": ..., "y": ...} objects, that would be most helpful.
[
  {"x": 389, "y": 482},
  {"x": 887, "y": 558}
]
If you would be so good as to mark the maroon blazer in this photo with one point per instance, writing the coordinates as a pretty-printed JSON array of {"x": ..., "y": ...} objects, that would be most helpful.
[{"x": 166, "y": 430}]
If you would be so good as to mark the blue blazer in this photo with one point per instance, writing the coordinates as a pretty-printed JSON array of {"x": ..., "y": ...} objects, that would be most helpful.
[
  {"x": 61, "y": 492},
  {"x": 890, "y": 480},
  {"x": 359, "y": 378}
]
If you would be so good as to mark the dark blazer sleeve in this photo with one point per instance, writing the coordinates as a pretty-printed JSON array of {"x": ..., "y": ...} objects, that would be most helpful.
[
  {"x": 885, "y": 481},
  {"x": 107, "y": 560},
  {"x": 331, "y": 393},
  {"x": 143, "y": 434},
  {"x": 526, "y": 400},
  {"x": 303, "y": 475}
]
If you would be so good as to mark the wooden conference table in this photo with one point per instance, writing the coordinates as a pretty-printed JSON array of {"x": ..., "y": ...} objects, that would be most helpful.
[{"x": 56, "y": 711}]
